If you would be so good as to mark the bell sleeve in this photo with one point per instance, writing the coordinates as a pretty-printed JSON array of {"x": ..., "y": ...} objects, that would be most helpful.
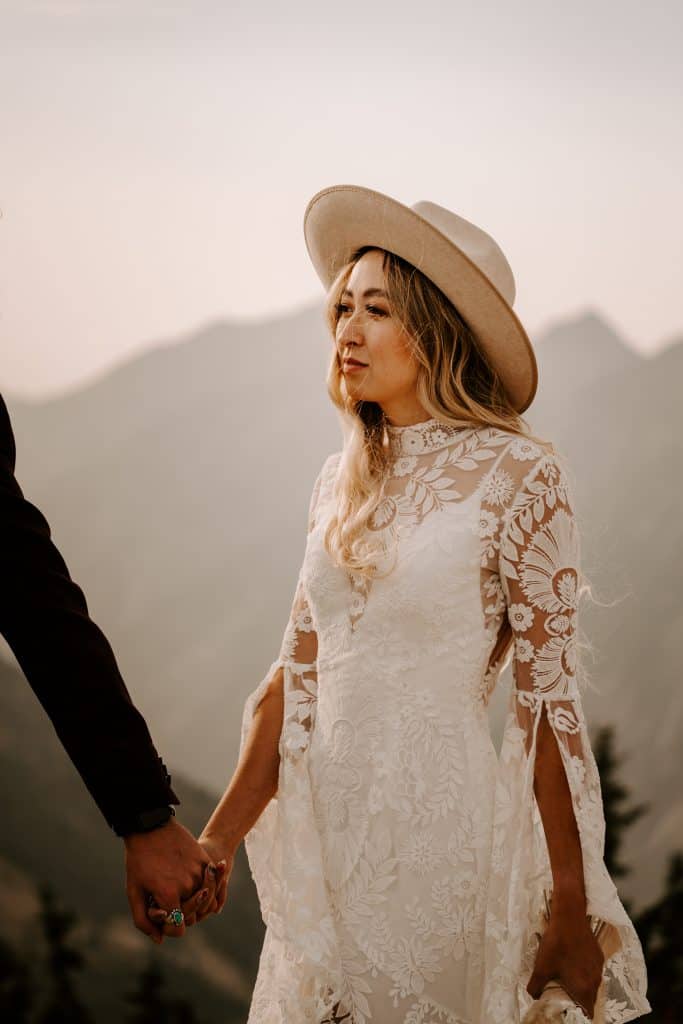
[
  {"x": 299, "y": 976},
  {"x": 540, "y": 578}
]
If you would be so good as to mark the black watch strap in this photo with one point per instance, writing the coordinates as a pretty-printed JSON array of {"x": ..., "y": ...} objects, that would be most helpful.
[{"x": 144, "y": 821}]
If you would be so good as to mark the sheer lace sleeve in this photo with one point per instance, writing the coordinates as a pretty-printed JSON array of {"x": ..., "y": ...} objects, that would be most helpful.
[
  {"x": 283, "y": 848},
  {"x": 539, "y": 573}
]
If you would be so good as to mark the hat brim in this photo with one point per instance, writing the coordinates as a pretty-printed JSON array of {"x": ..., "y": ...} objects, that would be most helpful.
[{"x": 343, "y": 218}]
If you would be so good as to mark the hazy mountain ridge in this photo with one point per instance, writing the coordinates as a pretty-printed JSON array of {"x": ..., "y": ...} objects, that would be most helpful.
[
  {"x": 177, "y": 489},
  {"x": 578, "y": 352},
  {"x": 137, "y": 395}
]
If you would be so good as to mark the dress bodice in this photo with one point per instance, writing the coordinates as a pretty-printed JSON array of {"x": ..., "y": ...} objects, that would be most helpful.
[
  {"x": 402, "y": 870},
  {"x": 438, "y": 525}
]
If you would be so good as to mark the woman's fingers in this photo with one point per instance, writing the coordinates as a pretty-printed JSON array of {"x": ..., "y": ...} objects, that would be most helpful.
[
  {"x": 210, "y": 879},
  {"x": 216, "y": 905},
  {"x": 195, "y": 905},
  {"x": 221, "y": 895}
]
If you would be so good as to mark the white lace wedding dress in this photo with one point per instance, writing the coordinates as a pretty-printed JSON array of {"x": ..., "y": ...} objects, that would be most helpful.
[{"x": 402, "y": 865}]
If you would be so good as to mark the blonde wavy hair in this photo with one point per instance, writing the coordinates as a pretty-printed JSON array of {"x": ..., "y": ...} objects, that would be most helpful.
[{"x": 455, "y": 385}]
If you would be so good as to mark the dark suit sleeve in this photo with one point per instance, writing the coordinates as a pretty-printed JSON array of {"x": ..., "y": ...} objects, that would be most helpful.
[{"x": 68, "y": 660}]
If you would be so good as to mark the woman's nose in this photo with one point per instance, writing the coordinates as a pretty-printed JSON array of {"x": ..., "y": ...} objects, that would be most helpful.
[{"x": 350, "y": 330}]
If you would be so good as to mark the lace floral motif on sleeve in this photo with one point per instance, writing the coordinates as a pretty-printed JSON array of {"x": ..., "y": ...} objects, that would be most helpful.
[
  {"x": 538, "y": 570},
  {"x": 538, "y": 564}
]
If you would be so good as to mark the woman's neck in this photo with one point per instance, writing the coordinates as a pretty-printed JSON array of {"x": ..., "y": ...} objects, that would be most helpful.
[{"x": 405, "y": 415}]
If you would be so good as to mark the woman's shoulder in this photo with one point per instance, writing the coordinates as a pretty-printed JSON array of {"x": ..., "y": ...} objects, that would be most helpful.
[
  {"x": 532, "y": 472},
  {"x": 327, "y": 472},
  {"x": 331, "y": 464},
  {"x": 521, "y": 448},
  {"x": 524, "y": 458},
  {"x": 322, "y": 484}
]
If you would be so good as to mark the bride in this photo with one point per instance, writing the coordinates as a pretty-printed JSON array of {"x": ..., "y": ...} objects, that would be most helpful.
[{"x": 406, "y": 874}]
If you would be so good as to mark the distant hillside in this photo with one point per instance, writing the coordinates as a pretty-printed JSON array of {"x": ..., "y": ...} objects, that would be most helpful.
[
  {"x": 573, "y": 355},
  {"x": 52, "y": 832},
  {"x": 177, "y": 489},
  {"x": 163, "y": 483}
]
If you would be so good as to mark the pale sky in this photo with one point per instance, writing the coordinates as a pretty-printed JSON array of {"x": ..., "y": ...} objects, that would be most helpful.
[{"x": 157, "y": 158}]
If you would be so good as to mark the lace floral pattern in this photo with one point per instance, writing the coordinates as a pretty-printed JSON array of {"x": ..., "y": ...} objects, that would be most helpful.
[{"x": 402, "y": 867}]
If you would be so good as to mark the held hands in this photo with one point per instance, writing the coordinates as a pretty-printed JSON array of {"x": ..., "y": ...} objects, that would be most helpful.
[
  {"x": 169, "y": 869},
  {"x": 201, "y": 903},
  {"x": 569, "y": 953}
]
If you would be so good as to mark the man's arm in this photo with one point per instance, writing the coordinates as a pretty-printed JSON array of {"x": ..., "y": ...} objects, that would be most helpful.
[
  {"x": 71, "y": 668},
  {"x": 70, "y": 665}
]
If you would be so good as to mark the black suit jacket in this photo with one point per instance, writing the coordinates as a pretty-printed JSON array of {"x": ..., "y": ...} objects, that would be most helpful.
[{"x": 68, "y": 660}]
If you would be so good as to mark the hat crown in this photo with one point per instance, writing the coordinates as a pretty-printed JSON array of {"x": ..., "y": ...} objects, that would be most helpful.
[{"x": 477, "y": 245}]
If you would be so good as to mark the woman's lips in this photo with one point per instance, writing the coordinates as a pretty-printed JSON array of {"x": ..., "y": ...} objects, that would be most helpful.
[{"x": 350, "y": 367}]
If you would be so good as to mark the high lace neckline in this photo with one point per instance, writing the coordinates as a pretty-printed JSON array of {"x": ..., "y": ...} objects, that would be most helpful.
[{"x": 426, "y": 436}]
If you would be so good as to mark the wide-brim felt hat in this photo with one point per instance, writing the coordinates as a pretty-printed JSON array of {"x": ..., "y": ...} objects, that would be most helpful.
[{"x": 460, "y": 258}]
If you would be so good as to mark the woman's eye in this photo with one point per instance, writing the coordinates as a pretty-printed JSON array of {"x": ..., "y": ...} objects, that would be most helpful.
[{"x": 342, "y": 308}]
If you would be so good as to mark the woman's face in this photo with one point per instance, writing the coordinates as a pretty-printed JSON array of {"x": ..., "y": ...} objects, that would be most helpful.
[{"x": 367, "y": 332}]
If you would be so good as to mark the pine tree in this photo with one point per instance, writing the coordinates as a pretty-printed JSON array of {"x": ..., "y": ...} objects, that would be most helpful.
[
  {"x": 63, "y": 1005},
  {"x": 619, "y": 816},
  {"x": 15, "y": 986},
  {"x": 660, "y": 928}
]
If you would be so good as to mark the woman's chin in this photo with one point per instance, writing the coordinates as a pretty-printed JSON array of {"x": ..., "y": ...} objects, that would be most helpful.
[{"x": 358, "y": 389}]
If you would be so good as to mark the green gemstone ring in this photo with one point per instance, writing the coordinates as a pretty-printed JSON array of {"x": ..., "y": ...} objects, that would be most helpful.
[{"x": 175, "y": 917}]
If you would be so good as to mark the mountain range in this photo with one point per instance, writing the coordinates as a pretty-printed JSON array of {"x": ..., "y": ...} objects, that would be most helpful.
[{"x": 177, "y": 487}]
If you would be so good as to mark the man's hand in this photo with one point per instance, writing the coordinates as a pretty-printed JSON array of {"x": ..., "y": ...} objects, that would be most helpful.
[{"x": 169, "y": 865}]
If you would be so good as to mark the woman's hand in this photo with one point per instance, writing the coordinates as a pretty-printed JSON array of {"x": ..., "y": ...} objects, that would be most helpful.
[
  {"x": 224, "y": 858},
  {"x": 569, "y": 953}
]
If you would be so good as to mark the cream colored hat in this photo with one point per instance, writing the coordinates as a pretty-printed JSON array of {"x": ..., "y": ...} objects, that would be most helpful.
[{"x": 457, "y": 256}]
